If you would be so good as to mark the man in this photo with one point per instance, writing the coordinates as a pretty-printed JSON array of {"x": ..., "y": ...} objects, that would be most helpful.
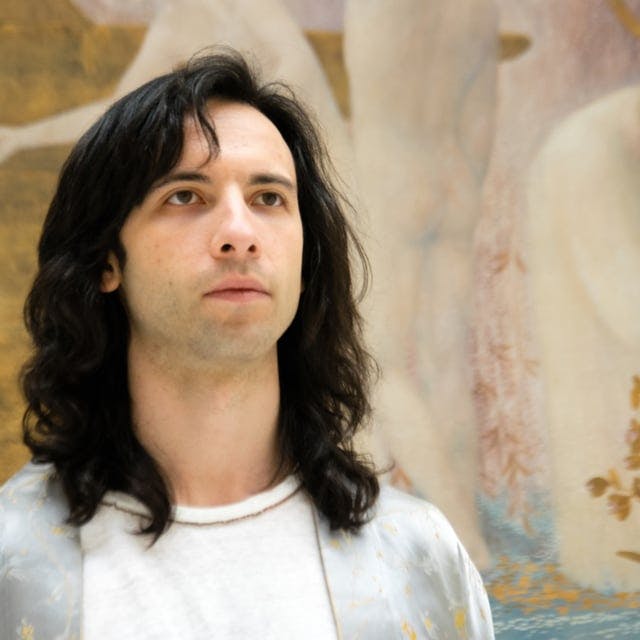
[{"x": 197, "y": 378}]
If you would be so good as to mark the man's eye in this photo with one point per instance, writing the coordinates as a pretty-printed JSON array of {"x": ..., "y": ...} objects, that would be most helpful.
[
  {"x": 270, "y": 199},
  {"x": 184, "y": 197}
]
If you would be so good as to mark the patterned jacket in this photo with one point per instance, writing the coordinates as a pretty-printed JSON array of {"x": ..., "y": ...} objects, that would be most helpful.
[{"x": 404, "y": 575}]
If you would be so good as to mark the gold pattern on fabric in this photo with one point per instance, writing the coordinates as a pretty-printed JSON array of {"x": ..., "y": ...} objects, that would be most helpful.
[
  {"x": 460, "y": 621},
  {"x": 408, "y": 630},
  {"x": 26, "y": 631}
]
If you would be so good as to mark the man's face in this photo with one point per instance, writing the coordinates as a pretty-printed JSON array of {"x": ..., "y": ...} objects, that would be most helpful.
[{"x": 214, "y": 252}]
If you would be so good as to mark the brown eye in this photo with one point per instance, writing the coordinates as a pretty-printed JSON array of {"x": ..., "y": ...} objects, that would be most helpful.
[
  {"x": 270, "y": 199},
  {"x": 183, "y": 197}
]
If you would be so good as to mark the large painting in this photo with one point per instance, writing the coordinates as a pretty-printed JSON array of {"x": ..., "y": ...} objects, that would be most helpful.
[{"x": 491, "y": 150}]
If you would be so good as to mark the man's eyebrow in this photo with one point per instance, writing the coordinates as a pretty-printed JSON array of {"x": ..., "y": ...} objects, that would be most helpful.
[
  {"x": 271, "y": 178},
  {"x": 181, "y": 176},
  {"x": 195, "y": 176}
]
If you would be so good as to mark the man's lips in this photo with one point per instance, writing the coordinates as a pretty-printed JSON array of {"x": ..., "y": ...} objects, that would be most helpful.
[{"x": 237, "y": 288}]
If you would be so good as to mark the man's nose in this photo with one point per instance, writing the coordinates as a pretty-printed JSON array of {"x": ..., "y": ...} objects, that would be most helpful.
[{"x": 235, "y": 234}]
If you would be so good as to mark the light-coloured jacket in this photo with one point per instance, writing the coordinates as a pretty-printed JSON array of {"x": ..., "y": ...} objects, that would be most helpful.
[{"x": 404, "y": 575}]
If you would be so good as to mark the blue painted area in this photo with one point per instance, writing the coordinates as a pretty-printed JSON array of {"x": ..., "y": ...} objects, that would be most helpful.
[
  {"x": 507, "y": 536},
  {"x": 531, "y": 551},
  {"x": 511, "y": 624}
]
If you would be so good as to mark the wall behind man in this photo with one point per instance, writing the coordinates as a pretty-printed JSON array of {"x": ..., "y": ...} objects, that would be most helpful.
[
  {"x": 492, "y": 149},
  {"x": 52, "y": 58}
]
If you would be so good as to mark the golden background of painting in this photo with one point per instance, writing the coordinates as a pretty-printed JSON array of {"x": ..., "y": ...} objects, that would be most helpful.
[{"x": 52, "y": 59}]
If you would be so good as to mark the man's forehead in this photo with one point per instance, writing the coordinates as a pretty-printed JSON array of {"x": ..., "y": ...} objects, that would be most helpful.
[
  {"x": 235, "y": 123},
  {"x": 242, "y": 133}
]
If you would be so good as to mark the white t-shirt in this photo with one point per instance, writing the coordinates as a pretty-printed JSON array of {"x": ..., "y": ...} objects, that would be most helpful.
[{"x": 247, "y": 570}]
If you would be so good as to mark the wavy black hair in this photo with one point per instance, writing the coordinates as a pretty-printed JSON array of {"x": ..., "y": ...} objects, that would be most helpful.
[{"x": 78, "y": 414}]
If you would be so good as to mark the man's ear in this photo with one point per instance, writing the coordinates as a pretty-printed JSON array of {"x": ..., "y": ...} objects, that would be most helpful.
[{"x": 111, "y": 275}]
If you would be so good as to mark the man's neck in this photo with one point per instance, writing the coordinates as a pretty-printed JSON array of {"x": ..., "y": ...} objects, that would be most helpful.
[{"x": 213, "y": 433}]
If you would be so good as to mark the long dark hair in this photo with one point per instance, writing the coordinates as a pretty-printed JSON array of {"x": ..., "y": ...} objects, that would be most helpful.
[{"x": 78, "y": 406}]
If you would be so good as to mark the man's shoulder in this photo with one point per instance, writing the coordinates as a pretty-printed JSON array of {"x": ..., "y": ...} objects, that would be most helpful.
[
  {"x": 394, "y": 501},
  {"x": 405, "y": 513},
  {"x": 31, "y": 500},
  {"x": 401, "y": 524},
  {"x": 405, "y": 561},
  {"x": 28, "y": 485},
  {"x": 40, "y": 558}
]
